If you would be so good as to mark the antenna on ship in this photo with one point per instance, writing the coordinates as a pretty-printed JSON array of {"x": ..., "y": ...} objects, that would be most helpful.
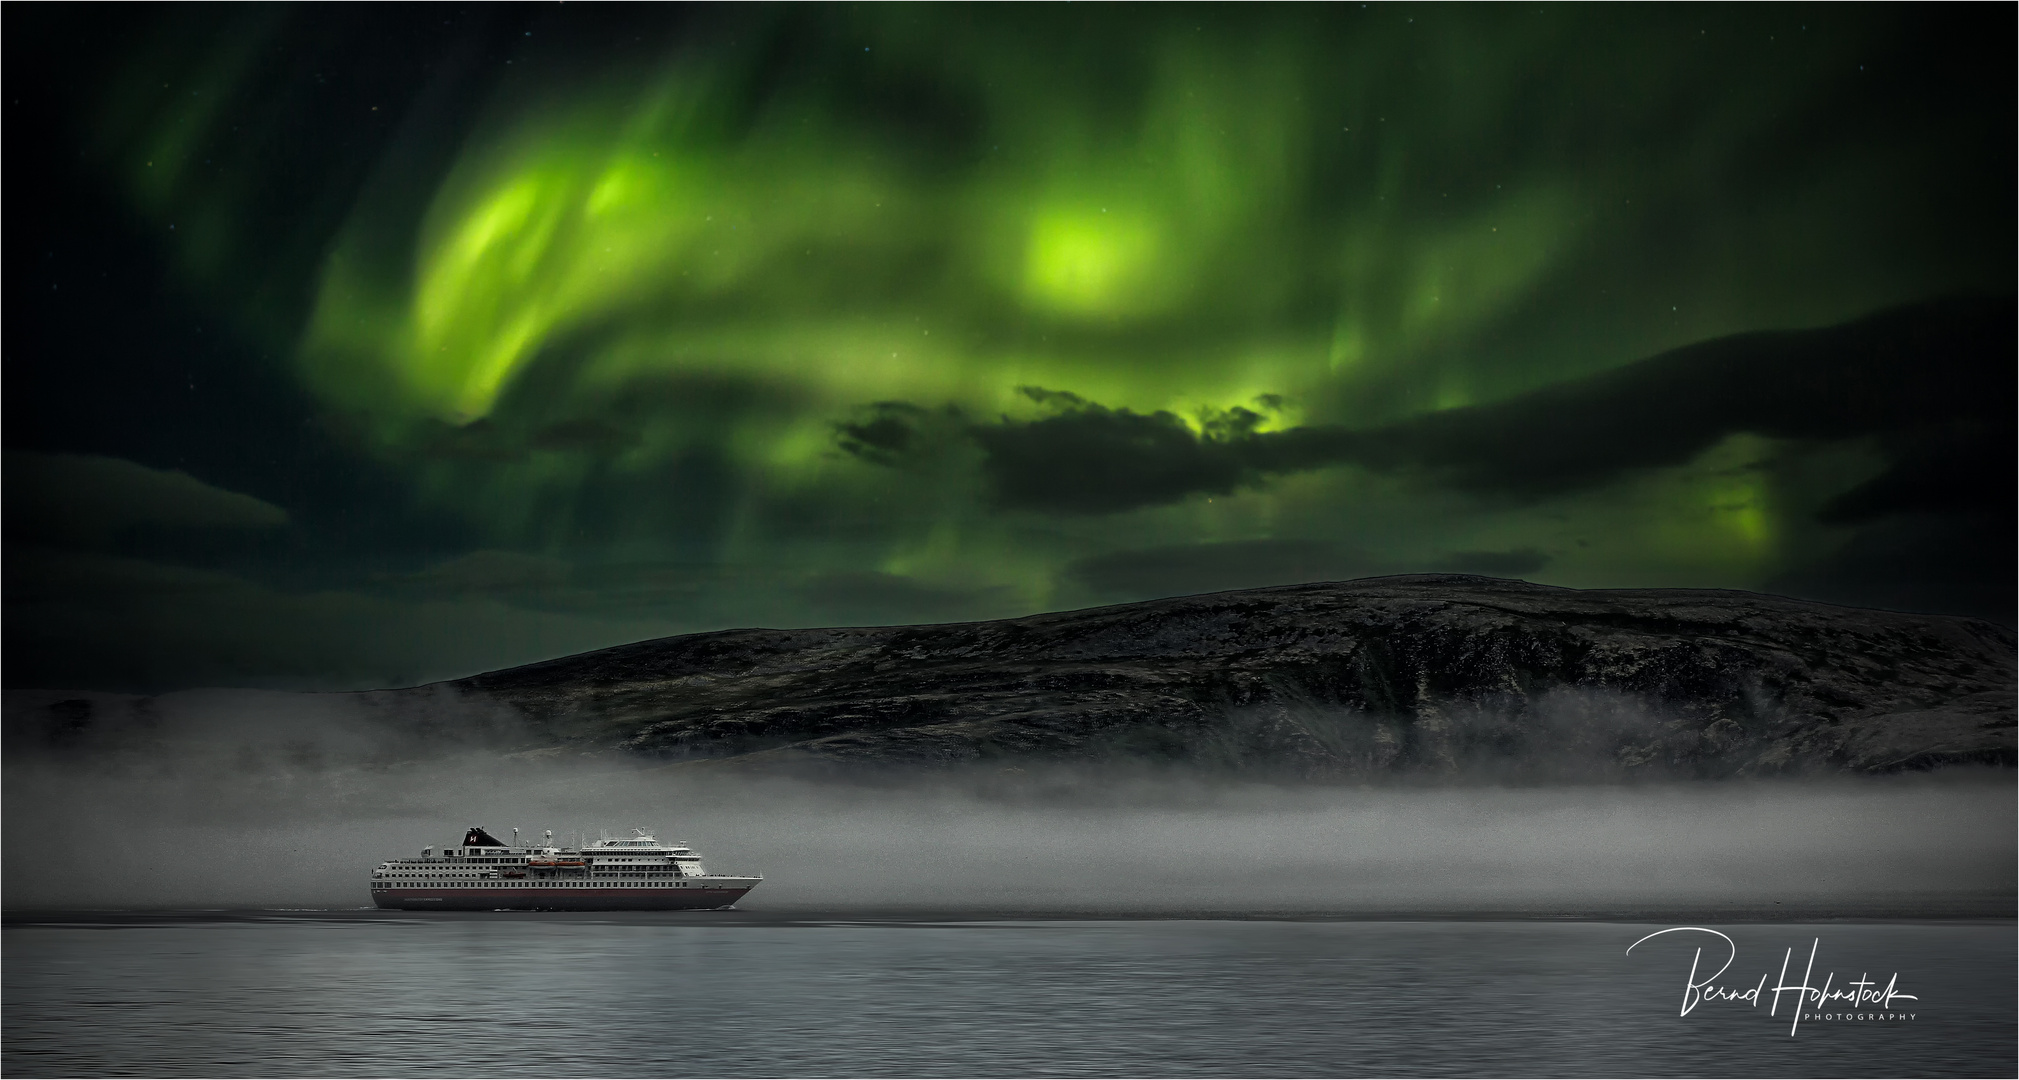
[{"x": 515, "y": 836}]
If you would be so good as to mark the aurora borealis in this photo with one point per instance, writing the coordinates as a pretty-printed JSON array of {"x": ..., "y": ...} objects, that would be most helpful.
[{"x": 359, "y": 346}]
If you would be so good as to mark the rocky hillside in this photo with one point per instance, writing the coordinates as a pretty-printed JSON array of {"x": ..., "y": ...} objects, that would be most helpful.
[{"x": 1426, "y": 674}]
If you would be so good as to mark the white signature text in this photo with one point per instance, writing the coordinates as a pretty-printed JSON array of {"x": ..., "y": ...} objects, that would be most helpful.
[{"x": 1861, "y": 997}]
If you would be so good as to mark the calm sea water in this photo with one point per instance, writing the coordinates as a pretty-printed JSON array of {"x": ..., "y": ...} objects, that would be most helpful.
[{"x": 739, "y": 994}]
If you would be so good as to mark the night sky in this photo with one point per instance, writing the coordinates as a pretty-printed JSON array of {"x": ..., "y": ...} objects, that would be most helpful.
[{"x": 356, "y": 346}]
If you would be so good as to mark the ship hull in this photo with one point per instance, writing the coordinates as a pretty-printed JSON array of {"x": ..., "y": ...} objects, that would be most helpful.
[{"x": 610, "y": 898}]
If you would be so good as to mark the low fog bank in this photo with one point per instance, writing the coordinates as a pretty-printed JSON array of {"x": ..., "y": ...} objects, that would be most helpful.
[{"x": 244, "y": 800}]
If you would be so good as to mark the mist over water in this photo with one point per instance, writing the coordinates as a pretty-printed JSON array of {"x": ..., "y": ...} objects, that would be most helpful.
[{"x": 240, "y": 799}]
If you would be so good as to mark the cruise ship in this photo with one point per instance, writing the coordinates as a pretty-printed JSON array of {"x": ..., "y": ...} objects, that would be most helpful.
[{"x": 483, "y": 873}]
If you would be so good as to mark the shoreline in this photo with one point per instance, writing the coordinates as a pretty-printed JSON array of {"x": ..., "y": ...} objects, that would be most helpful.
[{"x": 1985, "y": 910}]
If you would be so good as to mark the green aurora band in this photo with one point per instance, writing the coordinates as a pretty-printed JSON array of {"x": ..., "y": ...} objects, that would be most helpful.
[{"x": 617, "y": 315}]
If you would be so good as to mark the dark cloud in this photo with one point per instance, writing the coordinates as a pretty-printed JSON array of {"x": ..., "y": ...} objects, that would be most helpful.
[
  {"x": 1934, "y": 381},
  {"x": 1098, "y": 460},
  {"x": 1932, "y": 385},
  {"x": 88, "y": 500},
  {"x": 1950, "y": 564},
  {"x": 1958, "y": 468},
  {"x": 887, "y": 431},
  {"x": 1084, "y": 458}
]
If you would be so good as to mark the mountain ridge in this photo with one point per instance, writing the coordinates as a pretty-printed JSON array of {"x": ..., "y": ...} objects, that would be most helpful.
[{"x": 1438, "y": 674}]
